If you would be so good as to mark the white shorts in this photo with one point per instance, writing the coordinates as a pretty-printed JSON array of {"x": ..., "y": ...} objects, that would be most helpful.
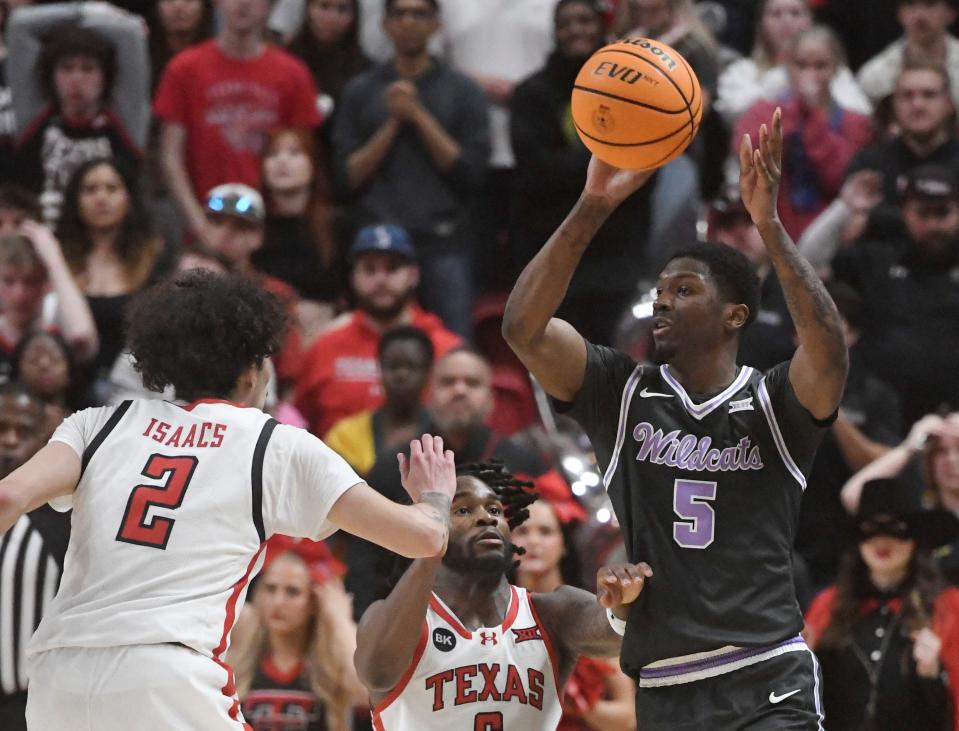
[{"x": 134, "y": 688}]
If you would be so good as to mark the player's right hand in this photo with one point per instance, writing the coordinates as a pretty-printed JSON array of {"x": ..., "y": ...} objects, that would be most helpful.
[
  {"x": 612, "y": 185},
  {"x": 429, "y": 468},
  {"x": 619, "y": 585}
]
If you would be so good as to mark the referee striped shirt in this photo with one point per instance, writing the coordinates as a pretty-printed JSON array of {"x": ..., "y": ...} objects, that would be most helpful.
[{"x": 31, "y": 561}]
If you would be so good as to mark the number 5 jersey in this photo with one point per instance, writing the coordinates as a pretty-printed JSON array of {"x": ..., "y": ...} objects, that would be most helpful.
[
  {"x": 170, "y": 515},
  {"x": 707, "y": 491}
]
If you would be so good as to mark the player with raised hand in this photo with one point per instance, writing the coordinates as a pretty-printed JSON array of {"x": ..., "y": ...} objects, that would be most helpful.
[
  {"x": 171, "y": 508},
  {"x": 456, "y": 646},
  {"x": 705, "y": 461}
]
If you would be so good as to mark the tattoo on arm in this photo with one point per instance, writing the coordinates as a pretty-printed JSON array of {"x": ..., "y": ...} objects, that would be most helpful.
[
  {"x": 437, "y": 507},
  {"x": 811, "y": 307}
]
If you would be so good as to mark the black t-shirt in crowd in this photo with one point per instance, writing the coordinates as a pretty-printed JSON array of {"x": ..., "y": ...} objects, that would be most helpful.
[
  {"x": 910, "y": 332},
  {"x": 707, "y": 491},
  {"x": 280, "y": 701},
  {"x": 825, "y": 530},
  {"x": 51, "y": 150}
]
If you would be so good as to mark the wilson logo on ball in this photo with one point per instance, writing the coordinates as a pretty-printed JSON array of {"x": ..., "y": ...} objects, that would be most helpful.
[{"x": 655, "y": 50}]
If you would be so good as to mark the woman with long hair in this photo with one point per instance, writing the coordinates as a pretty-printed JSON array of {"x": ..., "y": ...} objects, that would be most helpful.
[
  {"x": 887, "y": 634},
  {"x": 763, "y": 74},
  {"x": 109, "y": 247},
  {"x": 598, "y": 695},
  {"x": 175, "y": 26},
  {"x": 44, "y": 363},
  {"x": 932, "y": 451},
  {"x": 299, "y": 247},
  {"x": 293, "y": 655},
  {"x": 328, "y": 43}
]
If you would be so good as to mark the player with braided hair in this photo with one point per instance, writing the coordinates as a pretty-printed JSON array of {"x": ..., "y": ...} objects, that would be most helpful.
[{"x": 455, "y": 645}]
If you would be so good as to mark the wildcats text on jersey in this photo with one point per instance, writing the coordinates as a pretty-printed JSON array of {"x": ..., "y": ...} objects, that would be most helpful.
[{"x": 689, "y": 452}]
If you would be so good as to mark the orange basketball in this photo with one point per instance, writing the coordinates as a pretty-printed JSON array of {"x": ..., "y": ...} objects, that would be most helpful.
[{"x": 637, "y": 104}]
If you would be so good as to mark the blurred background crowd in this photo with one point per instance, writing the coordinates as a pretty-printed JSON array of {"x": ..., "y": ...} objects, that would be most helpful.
[{"x": 387, "y": 167}]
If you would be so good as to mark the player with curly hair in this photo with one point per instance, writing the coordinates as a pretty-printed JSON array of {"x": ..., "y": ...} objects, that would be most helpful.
[
  {"x": 455, "y": 645},
  {"x": 172, "y": 506}
]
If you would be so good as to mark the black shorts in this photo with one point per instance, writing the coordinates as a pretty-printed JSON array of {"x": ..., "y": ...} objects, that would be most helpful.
[{"x": 758, "y": 697}]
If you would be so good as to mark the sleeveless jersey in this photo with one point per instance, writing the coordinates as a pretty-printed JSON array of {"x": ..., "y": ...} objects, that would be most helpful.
[
  {"x": 491, "y": 679},
  {"x": 708, "y": 492},
  {"x": 170, "y": 515},
  {"x": 280, "y": 701}
]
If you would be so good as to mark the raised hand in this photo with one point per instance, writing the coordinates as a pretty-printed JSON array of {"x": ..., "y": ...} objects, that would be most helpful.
[
  {"x": 611, "y": 185},
  {"x": 862, "y": 191},
  {"x": 429, "y": 468},
  {"x": 925, "y": 651},
  {"x": 44, "y": 242},
  {"x": 617, "y": 586},
  {"x": 760, "y": 171}
]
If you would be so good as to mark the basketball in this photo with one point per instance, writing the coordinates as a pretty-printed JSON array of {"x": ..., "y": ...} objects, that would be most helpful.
[{"x": 637, "y": 104}]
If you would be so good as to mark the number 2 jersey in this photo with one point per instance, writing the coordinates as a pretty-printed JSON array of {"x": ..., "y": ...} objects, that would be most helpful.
[
  {"x": 707, "y": 491},
  {"x": 170, "y": 515},
  {"x": 490, "y": 679}
]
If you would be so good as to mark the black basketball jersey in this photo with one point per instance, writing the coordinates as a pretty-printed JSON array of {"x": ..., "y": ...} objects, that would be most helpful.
[
  {"x": 280, "y": 701},
  {"x": 708, "y": 493}
]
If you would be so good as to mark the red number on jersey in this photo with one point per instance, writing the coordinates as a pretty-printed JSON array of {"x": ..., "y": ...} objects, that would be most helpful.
[
  {"x": 488, "y": 722},
  {"x": 176, "y": 473}
]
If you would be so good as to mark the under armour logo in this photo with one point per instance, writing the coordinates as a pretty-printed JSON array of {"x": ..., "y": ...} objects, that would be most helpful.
[
  {"x": 488, "y": 638},
  {"x": 527, "y": 633}
]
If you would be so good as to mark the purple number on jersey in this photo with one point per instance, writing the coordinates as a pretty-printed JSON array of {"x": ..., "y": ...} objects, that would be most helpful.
[{"x": 691, "y": 503}]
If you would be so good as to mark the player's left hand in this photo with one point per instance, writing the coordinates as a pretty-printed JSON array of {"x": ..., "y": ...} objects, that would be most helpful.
[
  {"x": 760, "y": 171},
  {"x": 619, "y": 585}
]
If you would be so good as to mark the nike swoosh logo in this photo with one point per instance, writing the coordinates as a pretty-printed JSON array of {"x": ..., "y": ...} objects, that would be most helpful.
[
  {"x": 646, "y": 393},
  {"x": 773, "y": 698}
]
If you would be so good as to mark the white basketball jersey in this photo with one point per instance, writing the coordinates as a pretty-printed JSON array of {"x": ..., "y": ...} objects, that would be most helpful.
[
  {"x": 170, "y": 515},
  {"x": 490, "y": 679}
]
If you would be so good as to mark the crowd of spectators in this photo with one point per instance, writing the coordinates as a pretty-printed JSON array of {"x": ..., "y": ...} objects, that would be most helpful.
[{"x": 387, "y": 167}]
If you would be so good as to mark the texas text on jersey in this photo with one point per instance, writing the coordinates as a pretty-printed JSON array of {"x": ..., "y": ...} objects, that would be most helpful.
[
  {"x": 708, "y": 492},
  {"x": 489, "y": 679}
]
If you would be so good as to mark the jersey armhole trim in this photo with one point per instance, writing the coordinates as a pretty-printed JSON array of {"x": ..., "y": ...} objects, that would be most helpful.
[
  {"x": 627, "y": 398},
  {"x": 404, "y": 681},
  {"x": 104, "y": 432},
  {"x": 257, "y": 476},
  {"x": 550, "y": 645},
  {"x": 766, "y": 405}
]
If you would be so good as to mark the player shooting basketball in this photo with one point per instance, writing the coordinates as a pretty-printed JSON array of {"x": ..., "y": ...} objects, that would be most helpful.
[
  {"x": 705, "y": 460},
  {"x": 456, "y": 646}
]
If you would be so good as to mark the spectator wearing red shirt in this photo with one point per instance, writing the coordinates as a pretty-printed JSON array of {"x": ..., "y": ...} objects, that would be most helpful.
[
  {"x": 218, "y": 100},
  {"x": 339, "y": 375},
  {"x": 820, "y": 137}
]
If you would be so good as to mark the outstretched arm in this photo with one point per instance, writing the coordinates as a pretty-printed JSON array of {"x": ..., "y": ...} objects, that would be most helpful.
[
  {"x": 551, "y": 348},
  {"x": 50, "y": 473},
  {"x": 818, "y": 368},
  {"x": 415, "y": 531},
  {"x": 577, "y": 619},
  {"x": 893, "y": 462},
  {"x": 390, "y": 630}
]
